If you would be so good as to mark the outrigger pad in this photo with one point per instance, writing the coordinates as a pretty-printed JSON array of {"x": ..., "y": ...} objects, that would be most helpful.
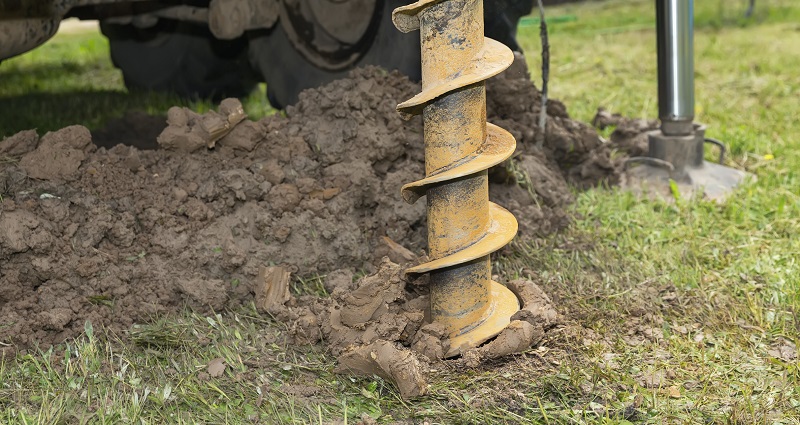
[
  {"x": 677, "y": 162},
  {"x": 711, "y": 181}
]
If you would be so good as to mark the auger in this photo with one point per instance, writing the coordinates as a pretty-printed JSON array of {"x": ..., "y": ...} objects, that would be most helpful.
[{"x": 464, "y": 228}]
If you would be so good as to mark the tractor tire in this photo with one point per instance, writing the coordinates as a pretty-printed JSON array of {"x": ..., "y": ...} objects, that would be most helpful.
[
  {"x": 287, "y": 72},
  {"x": 180, "y": 58}
]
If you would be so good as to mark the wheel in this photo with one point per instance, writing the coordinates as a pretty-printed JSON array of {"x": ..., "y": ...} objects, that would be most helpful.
[
  {"x": 289, "y": 62},
  {"x": 318, "y": 41},
  {"x": 181, "y": 58}
]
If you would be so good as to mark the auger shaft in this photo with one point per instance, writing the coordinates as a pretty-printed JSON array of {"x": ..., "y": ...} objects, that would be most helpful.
[
  {"x": 675, "y": 44},
  {"x": 464, "y": 228},
  {"x": 458, "y": 211}
]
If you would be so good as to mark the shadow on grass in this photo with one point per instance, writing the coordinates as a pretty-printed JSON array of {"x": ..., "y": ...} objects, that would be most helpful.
[
  {"x": 16, "y": 78},
  {"x": 92, "y": 109}
]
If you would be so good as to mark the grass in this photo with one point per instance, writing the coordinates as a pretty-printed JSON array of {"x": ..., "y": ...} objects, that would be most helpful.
[
  {"x": 676, "y": 313},
  {"x": 71, "y": 79}
]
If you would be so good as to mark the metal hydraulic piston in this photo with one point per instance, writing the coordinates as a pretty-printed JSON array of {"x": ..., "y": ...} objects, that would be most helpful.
[{"x": 676, "y": 150}]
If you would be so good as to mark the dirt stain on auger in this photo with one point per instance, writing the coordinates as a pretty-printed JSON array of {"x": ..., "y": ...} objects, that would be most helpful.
[{"x": 464, "y": 228}]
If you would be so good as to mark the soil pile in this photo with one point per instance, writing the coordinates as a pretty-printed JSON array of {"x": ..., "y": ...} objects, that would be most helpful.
[{"x": 117, "y": 235}]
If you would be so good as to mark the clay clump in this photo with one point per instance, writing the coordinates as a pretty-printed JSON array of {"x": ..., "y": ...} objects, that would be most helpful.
[{"x": 188, "y": 131}]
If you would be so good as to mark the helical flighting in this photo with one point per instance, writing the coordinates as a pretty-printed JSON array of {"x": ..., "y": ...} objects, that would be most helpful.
[{"x": 464, "y": 228}]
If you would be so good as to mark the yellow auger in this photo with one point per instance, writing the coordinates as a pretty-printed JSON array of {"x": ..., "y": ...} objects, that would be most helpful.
[{"x": 464, "y": 228}]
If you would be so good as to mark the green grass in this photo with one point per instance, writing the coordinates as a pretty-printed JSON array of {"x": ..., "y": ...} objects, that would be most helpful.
[
  {"x": 71, "y": 80},
  {"x": 675, "y": 313}
]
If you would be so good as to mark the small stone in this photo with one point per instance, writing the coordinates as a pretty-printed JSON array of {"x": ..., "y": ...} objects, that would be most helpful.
[
  {"x": 179, "y": 194},
  {"x": 674, "y": 392},
  {"x": 216, "y": 367}
]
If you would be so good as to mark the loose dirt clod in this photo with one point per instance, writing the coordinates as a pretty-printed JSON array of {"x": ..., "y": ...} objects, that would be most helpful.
[
  {"x": 629, "y": 135},
  {"x": 385, "y": 359},
  {"x": 59, "y": 154},
  {"x": 216, "y": 367},
  {"x": 377, "y": 307},
  {"x": 398, "y": 253},
  {"x": 527, "y": 326},
  {"x": 188, "y": 131},
  {"x": 271, "y": 288},
  {"x": 19, "y": 144},
  {"x": 119, "y": 235}
]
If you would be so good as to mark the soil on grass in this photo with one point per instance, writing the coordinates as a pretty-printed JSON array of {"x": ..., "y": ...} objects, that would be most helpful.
[{"x": 117, "y": 234}]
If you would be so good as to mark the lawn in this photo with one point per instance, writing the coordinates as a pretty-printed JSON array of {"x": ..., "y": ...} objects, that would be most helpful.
[{"x": 681, "y": 312}]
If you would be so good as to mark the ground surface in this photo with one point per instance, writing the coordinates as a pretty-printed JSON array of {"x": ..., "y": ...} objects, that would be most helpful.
[
  {"x": 676, "y": 313},
  {"x": 118, "y": 234}
]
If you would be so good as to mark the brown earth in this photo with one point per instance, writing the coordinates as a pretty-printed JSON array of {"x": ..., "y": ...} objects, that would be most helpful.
[
  {"x": 116, "y": 235},
  {"x": 629, "y": 135}
]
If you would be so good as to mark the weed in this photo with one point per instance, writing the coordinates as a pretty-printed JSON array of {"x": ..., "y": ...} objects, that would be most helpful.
[{"x": 136, "y": 257}]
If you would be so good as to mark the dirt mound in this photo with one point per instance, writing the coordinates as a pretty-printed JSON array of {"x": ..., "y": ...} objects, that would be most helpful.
[{"x": 117, "y": 235}]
